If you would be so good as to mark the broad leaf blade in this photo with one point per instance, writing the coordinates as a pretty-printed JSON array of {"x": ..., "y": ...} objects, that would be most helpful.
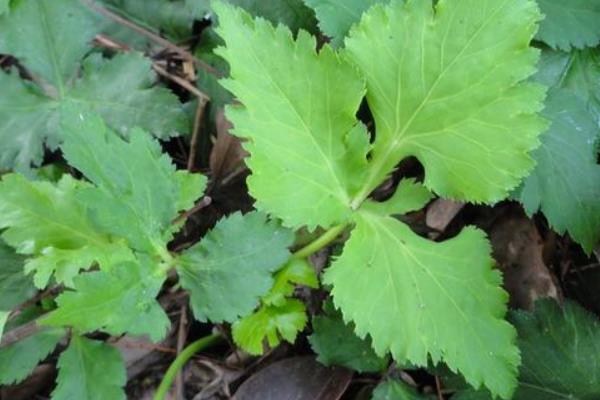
[
  {"x": 228, "y": 271},
  {"x": 49, "y": 37},
  {"x": 566, "y": 182},
  {"x": 397, "y": 390},
  {"x": 20, "y": 358},
  {"x": 409, "y": 196},
  {"x": 337, "y": 16},
  {"x": 138, "y": 205},
  {"x": 568, "y": 24},
  {"x": 291, "y": 13},
  {"x": 46, "y": 222},
  {"x": 27, "y": 121},
  {"x": 122, "y": 90},
  {"x": 298, "y": 109},
  {"x": 90, "y": 370},
  {"x": 444, "y": 298},
  {"x": 15, "y": 286},
  {"x": 443, "y": 85},
  {"x": 119, "y": 301}
]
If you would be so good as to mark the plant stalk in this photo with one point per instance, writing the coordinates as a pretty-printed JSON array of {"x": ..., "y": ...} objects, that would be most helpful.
[
  {"x": 322, "y": 241},
  {"x": 180, "y": 361}
]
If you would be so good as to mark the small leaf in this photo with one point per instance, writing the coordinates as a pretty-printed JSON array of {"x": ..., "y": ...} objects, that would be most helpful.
[
  {"x": 337, "y": 16},
  {"x": 444, "y": 298},
  {"x": 49, "y": 37},
  {"x": 228, "y": 271},
  {"x": 15, "y": 286},
  {"x": 270, "y": 323},
  {"x": 316, "y": 98},
  {"x": 118, "y": 301},
  {"x": 336, "y": 344},
  {"x": 45, "y": 222},
  {"x": 18, "y": 359},
  {"x": 138, "y": 205},
  {"x": 566, "y": 182},
  {"x": 396, "y": 390},
  {"x": 297, "y": 271},
  {"x": 409, "y": 196},
  {"x": 90, "y": 370},
  {"x": 443, "y": 88},
  {"x": 122, "y": 91},
  {"x": 291, "y": 13},
  {"x": 568, "y": 24}
]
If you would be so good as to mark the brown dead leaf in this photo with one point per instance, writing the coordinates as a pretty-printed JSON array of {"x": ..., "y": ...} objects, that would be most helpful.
[
  {"x": 227, "y": 154},
  {"x": 297, "y": 378},
  {"x": 441, "y": 212},
  {"x": 518, "y": 248}
]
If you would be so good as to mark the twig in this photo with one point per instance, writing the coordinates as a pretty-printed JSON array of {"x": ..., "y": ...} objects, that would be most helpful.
[
  {"x": 199, "y": 206},
  {"x": 181, "y": 338},
  {"x": 202, "y": 97},
  {"x": 150, "y": 35},
  {"x": 438, "y": 388},
  {"x": 196, "y": 132}
]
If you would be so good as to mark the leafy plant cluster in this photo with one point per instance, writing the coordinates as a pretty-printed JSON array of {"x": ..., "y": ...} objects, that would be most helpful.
[{"x": 496, "y": 100}]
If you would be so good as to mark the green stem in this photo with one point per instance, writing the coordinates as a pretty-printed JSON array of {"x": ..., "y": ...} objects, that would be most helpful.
[
  {"x": 179, "y": 362},
  {"x": 320, "y": 242}
]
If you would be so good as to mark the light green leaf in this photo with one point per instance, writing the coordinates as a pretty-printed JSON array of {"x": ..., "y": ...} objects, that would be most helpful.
[
  {"x": 228, "y": 271},
  {"x": 297, "y": 271},
  {"x": 397, "y": 390},
  {"x": 298, "y": 109},
  {"x": 122, "y": 90},
  {"x": 19, "y": 359},
  {"x": 27, "y": 122},
  {"x": 3, "y": 318},
  {"x": 335, "y": 343},
  {"x": 337, "y": 16},
  {"x": 4, "y": 6},
  {"x": 443, "y": 86},
  {"x": 566, "y": 182},
  {"x": 561, "y": 356},
  {"x": 120, "y": 301},
  {"x": 568, "y": 24},
  {"x": 90, "y": 370},
  {"x": 409, "y": 196},
  {"x": 45, "y": 222},
  {"x": 138, "y": 205},
  {"x": 15, "y": 286},
  {"x": 49, "y": 37},
  {"x": 444, "y": 298},
  {"x": 270, "y": 323}
]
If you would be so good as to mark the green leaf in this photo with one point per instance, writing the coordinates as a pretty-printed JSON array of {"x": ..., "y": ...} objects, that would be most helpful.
[
  {"x": 568, "y": 24},
  {"x": 3, "y": 318},
  {"x": 577, "y": 72},
  {"x": 49, "y": 36},
  {"x": 4, "y": 6},
  {"x": 270, "y": 323},
  {"x": 337, "y": 16},
  {"x": 118, "y": 301},
  {"x": 444, "y": 298},
  {"x": 291, "y": 13},
  {"x": 228, "y": 271},
  {"x": 27, "y": 122},
  {"x": 566, "y": 182},
  {"x": 297, "y": 271},
  {"x": 122, "y": 90},
  {"x": 19, "y": 359},
  {"x": 305, "y": 140},
  {"x": 137, "y": 190},
  {"x": 397, "y": 390},
  {"x": 444, "y": 88},
  {"x": 15, "y": 286},
  {"x": 45, "y": 222},
  {"x": 561, "y": 357},
  {"x": 336, "y": 344},
  {"x": 409, "y": 196},
  {"x": 90, "y": 370}
]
